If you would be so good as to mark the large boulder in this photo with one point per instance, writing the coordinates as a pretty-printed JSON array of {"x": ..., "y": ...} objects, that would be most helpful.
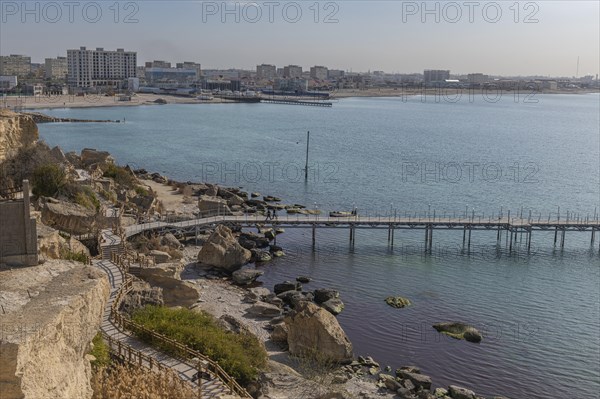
[
  {"x": 53, "y": 246},
  {"x": 325, "y": 294},
  {"x": 313, "y": 329},
  {"x": 222, "y": 251},
  {"x": 419, "y": 380},
  {"x": 246, "y": 276},
  {"x": 174, "y": 291},
  {"x": 66, "y": 216},
  {"x": 90, "y": 156},
  {"x": 160, "y": 256},
  {"x": 286, "y": 286},
  {"x": 211, "y": 205},
  {"x": 459, "y": 331},
  {"x": 457, "y": 392}
]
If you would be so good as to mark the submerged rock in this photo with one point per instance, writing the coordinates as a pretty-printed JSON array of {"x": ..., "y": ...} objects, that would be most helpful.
[
  {"x": 397, "y": 302},
  {"x": 459, "y": 331}
]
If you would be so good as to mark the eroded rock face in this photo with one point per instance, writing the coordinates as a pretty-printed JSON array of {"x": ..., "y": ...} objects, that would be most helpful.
[
  {"x": 66, "y": 216},
  {"x": 213, "y": 205},
  {"x": 44, "y": 338},
  {"x": 312, "y": 328},
  {"x": 90, "y": 156},
  {"x": 222, "y": 251},
  {"x": 142, "y": 294},
  {"x": 52, "y": 245},
  {"x": 174, "y": 291},
  {"x": 16, "y": 131}
]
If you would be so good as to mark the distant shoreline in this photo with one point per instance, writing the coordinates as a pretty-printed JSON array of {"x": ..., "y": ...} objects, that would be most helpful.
[{"x": 68, "y": 101}]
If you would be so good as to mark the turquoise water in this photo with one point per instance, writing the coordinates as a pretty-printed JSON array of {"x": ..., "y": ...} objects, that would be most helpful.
[{"x": 539, "y": 311}]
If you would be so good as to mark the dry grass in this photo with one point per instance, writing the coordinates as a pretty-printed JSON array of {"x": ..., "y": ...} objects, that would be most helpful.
[{"x": 126, "y": 382}]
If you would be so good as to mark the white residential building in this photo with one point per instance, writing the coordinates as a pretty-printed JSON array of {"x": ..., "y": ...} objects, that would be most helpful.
[{"x": 98, "y": 68}]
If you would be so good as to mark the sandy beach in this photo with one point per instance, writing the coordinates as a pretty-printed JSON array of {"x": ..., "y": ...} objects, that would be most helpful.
[{"x": 92, "y": 100}]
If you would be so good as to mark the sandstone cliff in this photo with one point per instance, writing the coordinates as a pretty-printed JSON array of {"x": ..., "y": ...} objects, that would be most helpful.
[
  {"x": 16, "y": 131},
  {"x": 52, "y": 312}
]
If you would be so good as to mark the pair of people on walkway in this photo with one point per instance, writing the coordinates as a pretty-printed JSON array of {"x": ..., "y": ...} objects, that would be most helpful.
[{"x": 271, "y": 215}]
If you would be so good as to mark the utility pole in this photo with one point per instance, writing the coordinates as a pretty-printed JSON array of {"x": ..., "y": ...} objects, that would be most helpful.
[{"x": 306, "y": 166}]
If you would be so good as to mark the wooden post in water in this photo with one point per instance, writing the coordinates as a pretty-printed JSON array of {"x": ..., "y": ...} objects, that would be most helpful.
[
  {"x": 555, "y": 234},
  {"x": 313, "y": 236},
  {"x": 529, "y": 240},
  {"x": 469, "y": 247},
  {"x": 562, "y": 240},
  {"x": 393, "y": 236},
  {"x": 426, "y": 238},
  {"x": 431, "y": 238}
]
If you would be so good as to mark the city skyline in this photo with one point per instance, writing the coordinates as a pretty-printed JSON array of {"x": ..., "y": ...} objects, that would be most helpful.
[{"x": 394, "y": 39}]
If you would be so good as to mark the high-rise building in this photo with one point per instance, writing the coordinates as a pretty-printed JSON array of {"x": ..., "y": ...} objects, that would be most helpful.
[
  {"x": 266, "y": 71},
  {"x": 319, "y": 72},
  {"x": 292, "y": 71},
  {"x": 93, "y": 68},
  {"x": 15, "y": 64},
  {"x": 435, "y": 75},
  {"x": 56, "y": 68}
]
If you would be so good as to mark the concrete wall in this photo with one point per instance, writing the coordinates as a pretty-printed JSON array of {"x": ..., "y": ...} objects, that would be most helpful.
[{"x": 18, "y": 235}]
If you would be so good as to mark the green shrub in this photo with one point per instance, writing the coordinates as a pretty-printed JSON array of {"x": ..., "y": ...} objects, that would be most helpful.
[
  {"x": 100, "y": 352},
  {"x": 120, "y": 175},
  {"x": 48, "y": 180},
  {"x": 75, "y": 256},
  {"x": 240, "y": 355},
  {"x": 86, "y": 197},
  {"x": 141, "y": 191}
]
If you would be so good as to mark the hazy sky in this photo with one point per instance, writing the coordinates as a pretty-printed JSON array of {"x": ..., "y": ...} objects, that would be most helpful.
[{"x": 503, "y": 37}]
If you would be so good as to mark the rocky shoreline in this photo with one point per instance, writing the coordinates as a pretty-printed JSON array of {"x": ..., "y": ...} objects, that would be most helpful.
[
  {"x": 215, "y": 272},
  {"x": 290, "y": 320}
]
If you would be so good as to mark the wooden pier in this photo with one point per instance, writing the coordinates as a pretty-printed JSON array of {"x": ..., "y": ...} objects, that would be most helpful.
[
  {"x": 296, "y": 102},
  {"x": 511, "y": 227}
]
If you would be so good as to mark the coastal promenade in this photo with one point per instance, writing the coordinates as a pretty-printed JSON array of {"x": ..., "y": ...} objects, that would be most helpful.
[{"x": 512, "y": 226}]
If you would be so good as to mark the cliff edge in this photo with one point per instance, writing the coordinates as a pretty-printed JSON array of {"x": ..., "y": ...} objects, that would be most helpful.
[
  {"x": 16, "y": 131},
  {"x": 49, "y": 316}
]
